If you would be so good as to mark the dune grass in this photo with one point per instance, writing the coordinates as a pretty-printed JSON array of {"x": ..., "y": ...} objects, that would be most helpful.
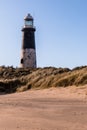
[{"x": 19, "y": 79}]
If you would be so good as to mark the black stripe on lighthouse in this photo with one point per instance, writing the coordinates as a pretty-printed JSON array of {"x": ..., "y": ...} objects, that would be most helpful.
[{"x": 28, "y": 38}]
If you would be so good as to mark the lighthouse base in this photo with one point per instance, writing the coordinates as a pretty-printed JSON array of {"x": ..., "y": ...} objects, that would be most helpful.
[{"x": 28, "y": 58}]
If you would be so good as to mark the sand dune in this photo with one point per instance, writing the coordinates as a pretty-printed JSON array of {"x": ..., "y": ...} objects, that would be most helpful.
[
  {"x": 22, "y": 79},
  {"x": 48, "y": 109}
]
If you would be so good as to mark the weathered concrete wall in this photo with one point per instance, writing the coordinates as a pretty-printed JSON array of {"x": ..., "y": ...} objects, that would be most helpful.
[{"x": 28, "y": 58}]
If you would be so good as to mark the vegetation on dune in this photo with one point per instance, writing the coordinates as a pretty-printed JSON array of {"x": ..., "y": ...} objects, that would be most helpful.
[{"x": 20, "y": 79}]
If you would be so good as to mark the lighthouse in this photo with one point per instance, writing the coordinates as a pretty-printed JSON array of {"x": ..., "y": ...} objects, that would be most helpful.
[{"x": 28, "y": 51}]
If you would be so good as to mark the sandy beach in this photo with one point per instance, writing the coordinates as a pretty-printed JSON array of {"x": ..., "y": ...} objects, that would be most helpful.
[{"x": 48, "y": 109}]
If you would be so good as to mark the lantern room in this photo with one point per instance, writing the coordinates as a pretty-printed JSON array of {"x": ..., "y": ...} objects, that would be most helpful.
[{"x": 28, "y": 21}]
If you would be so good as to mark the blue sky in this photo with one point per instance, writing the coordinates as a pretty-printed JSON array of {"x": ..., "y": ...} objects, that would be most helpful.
[{"x": 61, "y": 31}]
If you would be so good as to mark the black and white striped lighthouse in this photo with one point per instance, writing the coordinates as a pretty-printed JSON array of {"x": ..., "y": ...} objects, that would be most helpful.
[{"x": 28, "y": 51}]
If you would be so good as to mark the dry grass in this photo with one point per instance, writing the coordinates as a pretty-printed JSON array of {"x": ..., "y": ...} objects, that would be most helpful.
[{"x": 19, "y": 79}]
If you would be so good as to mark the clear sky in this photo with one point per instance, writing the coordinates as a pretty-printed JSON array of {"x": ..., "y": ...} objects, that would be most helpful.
[{"x": 61, "y": 31}]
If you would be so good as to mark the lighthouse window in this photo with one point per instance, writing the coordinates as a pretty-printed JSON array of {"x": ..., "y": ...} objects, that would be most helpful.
[
  {"x": 28, "y": 23},
  {"x": 21, "y": 61}
]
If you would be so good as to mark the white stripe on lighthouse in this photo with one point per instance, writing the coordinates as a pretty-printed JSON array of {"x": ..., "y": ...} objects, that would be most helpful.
[{"x": 29, "y": 58}]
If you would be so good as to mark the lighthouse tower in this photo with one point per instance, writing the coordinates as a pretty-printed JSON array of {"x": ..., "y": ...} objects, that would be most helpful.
[{"x": 28, "y": 52}]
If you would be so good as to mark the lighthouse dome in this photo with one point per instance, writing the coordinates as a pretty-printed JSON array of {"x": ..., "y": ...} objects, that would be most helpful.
[{"x": 28, "y": 17}]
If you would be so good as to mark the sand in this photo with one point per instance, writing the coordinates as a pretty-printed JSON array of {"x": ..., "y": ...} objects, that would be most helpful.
[{"x": 48, "y": 109}]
